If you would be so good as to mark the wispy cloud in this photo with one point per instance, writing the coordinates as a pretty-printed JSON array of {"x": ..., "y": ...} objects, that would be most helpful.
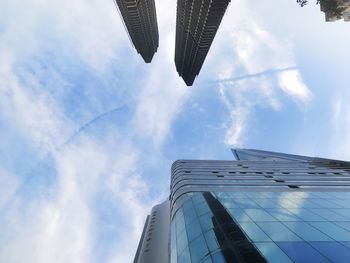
[
  {"x": 252, "y": 67},
  {"x": 63, "y": 66}
]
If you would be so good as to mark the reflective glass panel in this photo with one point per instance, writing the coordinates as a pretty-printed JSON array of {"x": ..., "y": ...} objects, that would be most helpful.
[
  {"x": 198, "y": 249},
  {"x": 259, "y": 215},
  {"x": 306, "y": 231},
  {"x": 302, "y": 252},
  {"x": 272, "y": 252},
  {"x": 331, "y": 229},
  {"x": 239, "y": 215},
  {"x": 254, "y": 232},
  {"x": 334, "y": 251},
  {"x": 278, "y": 232}
]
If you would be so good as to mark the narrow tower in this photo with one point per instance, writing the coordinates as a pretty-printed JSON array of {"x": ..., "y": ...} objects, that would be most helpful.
[
  {"x": 196, "y": 25},
  {"x": 140, "y": 20}
]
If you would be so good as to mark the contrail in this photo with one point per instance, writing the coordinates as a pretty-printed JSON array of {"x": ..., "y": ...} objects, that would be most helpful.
[
  {"x": 250, "y": 76},
  {"x": 90, "y": 122},
  {"x": 83, "y": 127}
]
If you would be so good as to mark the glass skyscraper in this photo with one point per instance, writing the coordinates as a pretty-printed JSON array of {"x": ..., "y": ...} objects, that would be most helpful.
[{"x": 263, "y": 207}]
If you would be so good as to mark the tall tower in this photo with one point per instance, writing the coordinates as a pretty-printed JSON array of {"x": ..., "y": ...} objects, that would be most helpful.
[
  {"x": 196, "y": 24},
  {"x": 140, "y": 20},
  {"x": 264, "y": 207}
]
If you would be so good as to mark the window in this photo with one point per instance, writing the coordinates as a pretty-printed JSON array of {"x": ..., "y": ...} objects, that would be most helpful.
[
  {"x": 272, "y": 252},
  {"x": 301, "y": 252},
  {"x": 306, "y": 231},
  {"x": 198, "y": 249},
  {"x": 278, "y": 232},
  {"x": 333, "y": 250}
]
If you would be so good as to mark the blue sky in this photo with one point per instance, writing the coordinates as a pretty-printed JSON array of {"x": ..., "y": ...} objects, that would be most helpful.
[{"x": 89, "y": 131}]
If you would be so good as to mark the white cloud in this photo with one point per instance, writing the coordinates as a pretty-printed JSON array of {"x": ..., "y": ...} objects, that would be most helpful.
[
  {"x": 291, "y": 83},
  {"x": 95, "y": 207},
  {"x": 163, "y": 92},
  {"x": 244, "y": 48},
  {"x": 8, "y": 187}
]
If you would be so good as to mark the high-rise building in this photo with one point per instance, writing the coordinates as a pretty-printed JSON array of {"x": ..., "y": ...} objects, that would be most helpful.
[
  {"x": 197, "y": 22},
  {"x": 335, "y": 9},
  {"x": 140, "y": 20},
  {"x": 264, "y": 207}
]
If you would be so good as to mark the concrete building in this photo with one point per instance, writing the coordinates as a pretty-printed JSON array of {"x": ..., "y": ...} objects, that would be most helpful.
[
  {"x": 140, "y": 20},
  {"x": 335, "y": 9},
  {"x": 197, "y": 22},
  {"x": 263, "y": 207}
]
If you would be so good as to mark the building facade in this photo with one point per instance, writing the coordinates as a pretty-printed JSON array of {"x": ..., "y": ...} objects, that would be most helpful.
[
  {"x": 197, "y": 22},
  {"x": 335, "y": 9},
  {"x": 140, "y": 20},
  {"x": 263, "y": 207}
]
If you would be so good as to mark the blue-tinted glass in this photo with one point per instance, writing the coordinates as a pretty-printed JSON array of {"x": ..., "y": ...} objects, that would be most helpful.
[
  {"x": 173, "y": 250},
  {"x": 239, "y": 215},
  {"x": 259, "y": 215},
  {"x": 206, "y": 221},
  {"x": 343, "y": 203},
  {"x": 307, "y": 232},
  {"x": 188, "y": 205},
  {"x": 322, "y": 203},
  {"x": 306, "y": 203},
  {"x": 180, "y": 221},
  {"x": 333, "y": 250},
  {"x": 344, "y": 212},
  {"x": 282, "y": 215},
  {"x": 202, "y": 208},
  {"x": 316, "y": 195},
  {"x": 198, "y": 199},
  {"x": 218, "y": 257},
  {"x": 193, "y": 230},
  {"x": 272, "y": 252},
  {"x": 229, "y": 203},
  {"x": 212, "y": 243},
  {"x": 306, "y": 215},
  {"x": 198, "y": 249},
  {"x": 181, "y": 242},
  {"x": 329, "y": 215},
  {"x": 267, "y": 202},
  {"x": 184, "y": 257},
  {"x": 255, "y": 195},
  {"x": 254, "y": 232},
  {"x": 345, "y": 225},
  {"x": 237, "y": 195},
  {"x": 347, "y": 244},
  {"x": 207, "y": 260},
  {"x": 189, "y": 215},
  {"x": 278, "y": 232},
  {"x": 173, "y": 256},
  {"x": 340, "y": 195},
  {"x": 332, "y": 230},
  {"x": 246, "y": 203},
  {"x": 286, "y": 203},
  {"x": 302, "y": 252},
  {"x": 274, "y": 195}
]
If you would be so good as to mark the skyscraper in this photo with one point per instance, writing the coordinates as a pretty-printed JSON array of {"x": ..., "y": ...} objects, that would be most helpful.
[
  {"x": 335, "y": 9},
  {"x": 196, "y": 24},
  {"x": 140, "y": 20},
  {"x": 264, "y": 207}
]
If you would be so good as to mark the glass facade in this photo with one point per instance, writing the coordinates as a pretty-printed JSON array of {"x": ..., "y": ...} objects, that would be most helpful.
[
  {"x": 264, "y": 207},
  {"x": 280, "y": 226}
]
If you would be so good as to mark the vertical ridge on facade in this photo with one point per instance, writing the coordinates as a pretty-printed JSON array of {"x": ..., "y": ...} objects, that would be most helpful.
[
  {"x": 140, "y": 20},
  {"x": 196, "y": 25}
]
